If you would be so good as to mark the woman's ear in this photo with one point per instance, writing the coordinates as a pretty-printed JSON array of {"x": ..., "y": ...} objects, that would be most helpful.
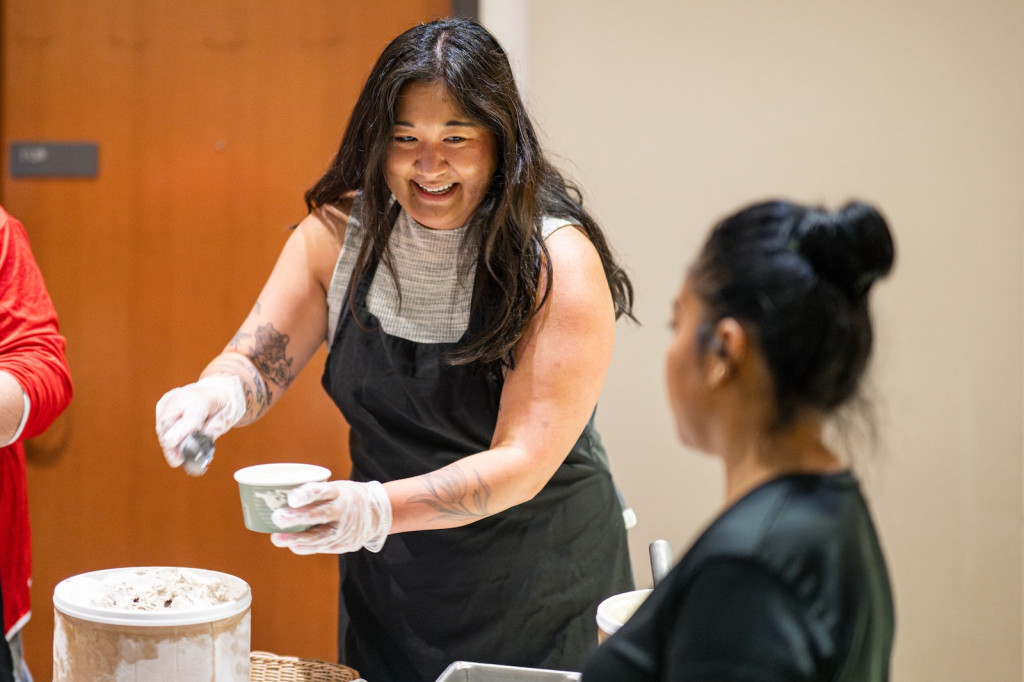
[
  {"x": 729, "y": 340},
  {"x": 728, "y": 345}
]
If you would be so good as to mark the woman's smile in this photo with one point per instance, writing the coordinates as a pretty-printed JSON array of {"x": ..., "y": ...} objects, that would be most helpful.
[{"x": 440, "y": 191}]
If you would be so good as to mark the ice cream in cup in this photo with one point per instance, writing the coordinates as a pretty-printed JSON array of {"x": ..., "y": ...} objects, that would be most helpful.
[{"x": 264, "y": 488}]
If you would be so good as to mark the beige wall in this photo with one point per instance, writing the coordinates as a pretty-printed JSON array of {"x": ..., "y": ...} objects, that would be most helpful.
[{"x": 672, "y": 113}]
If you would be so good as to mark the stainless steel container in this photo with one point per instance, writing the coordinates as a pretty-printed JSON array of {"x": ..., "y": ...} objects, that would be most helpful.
[{"x": 463, "y": 671}]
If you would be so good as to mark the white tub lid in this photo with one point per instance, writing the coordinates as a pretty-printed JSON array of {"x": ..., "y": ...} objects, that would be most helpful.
[{"x": 157, "y": 596}]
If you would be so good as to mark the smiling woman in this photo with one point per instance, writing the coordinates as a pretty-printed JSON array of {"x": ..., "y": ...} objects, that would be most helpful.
[
  {"x": 468, "y": 369},
  {"x": 440, "y": 163}
]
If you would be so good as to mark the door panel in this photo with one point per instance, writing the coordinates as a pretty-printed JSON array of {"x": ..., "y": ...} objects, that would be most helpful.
[{"x": 212, "y": 119}]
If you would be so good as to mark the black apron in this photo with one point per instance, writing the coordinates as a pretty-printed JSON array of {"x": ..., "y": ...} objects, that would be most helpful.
[{"x": 517, "y": 588}]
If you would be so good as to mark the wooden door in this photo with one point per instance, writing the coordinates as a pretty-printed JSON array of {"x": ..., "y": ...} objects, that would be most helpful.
[{"x": 211, "y": 119}]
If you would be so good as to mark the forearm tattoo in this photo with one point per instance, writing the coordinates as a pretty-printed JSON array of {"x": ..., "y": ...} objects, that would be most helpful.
[
  {"x": 269, "y": 356},
  {"x": 257, "y": 392},
  {"x": 449, "y": 494},
  {"x": 267, "y": 351}
]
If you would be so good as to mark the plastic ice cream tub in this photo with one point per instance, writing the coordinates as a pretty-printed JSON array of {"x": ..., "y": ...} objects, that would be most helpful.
[{"x": 152, "y": 623}]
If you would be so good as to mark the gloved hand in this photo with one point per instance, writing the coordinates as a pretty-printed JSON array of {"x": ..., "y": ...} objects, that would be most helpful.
[
  {"x": 346, "y": 516},
  {"x": 212, "y": 405}
]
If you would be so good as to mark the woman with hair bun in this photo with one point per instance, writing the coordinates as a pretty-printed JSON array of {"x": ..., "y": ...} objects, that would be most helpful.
[{"x": 772, "y": 334}]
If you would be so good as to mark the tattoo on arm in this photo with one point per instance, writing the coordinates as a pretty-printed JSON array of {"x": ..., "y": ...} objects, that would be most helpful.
[
  {"x": 268, "y": 363},
  {"x": 268, "y": 353},
  {"x": 236, "y": 341},
  {"x": 257, "y": 392},
  {"x": 257, "y": 395},
  {"x": 448, "y": 493}
]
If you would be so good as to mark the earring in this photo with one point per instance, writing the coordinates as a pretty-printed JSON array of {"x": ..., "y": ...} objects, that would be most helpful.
[{"x": 717, "y": 375}]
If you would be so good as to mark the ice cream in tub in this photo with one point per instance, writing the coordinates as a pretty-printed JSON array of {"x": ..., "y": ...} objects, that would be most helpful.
[{"x": 152, "y": 623}]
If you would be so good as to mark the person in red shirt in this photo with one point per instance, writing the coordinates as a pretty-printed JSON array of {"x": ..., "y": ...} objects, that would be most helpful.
[{"x": 35, "y": 387}]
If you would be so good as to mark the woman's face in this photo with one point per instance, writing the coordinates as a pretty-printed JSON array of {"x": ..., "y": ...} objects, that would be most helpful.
[
  {"x": 686, "y": 370},
  {"x": 439, "y": 162}
]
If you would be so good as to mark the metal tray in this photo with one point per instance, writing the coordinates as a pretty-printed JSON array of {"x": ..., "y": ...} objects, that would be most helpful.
[{"x": 463, "y": 671}]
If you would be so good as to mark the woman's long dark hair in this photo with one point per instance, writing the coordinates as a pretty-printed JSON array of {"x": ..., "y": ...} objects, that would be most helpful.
[
  {"x": 798, "y": 278},
  {"x": 506, "y": 227}
]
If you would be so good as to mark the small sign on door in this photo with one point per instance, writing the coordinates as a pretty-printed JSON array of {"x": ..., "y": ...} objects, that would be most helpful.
[{"x": 54, "y": 159}]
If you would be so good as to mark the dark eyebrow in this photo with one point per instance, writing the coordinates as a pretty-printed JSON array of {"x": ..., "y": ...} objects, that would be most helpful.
[{"x": 448, "y": 124}]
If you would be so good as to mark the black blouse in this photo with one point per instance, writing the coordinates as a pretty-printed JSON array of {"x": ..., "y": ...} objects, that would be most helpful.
[{"x": 787, "y": 584}]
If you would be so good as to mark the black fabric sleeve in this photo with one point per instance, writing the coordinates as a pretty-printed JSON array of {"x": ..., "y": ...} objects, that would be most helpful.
[{"x": 739, "y": 623}]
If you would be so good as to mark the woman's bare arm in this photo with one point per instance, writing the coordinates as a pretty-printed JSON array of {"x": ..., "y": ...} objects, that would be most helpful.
[
  {"x": 546, "y": 402},
  {"x": 289, "y": 320}
]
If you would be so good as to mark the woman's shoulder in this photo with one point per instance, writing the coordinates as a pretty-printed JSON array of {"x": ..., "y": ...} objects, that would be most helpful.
[
  {"x": 551, "y": 224},
  {"x": 577, "y": 275},
  {"x": 324, "y": 231},
  {"x": 566, "y": 236},
  {"x": 336, "y": 217},
  {"x": 790, "y": 517}
]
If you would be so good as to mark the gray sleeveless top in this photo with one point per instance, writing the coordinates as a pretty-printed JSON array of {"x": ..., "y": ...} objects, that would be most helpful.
[{"x": 436, "y": 291}]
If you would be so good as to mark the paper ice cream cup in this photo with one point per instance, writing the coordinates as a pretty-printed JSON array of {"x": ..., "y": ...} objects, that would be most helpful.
[
  {"x": 614, "y": 611},
  {"x": 264, "y": 487}
]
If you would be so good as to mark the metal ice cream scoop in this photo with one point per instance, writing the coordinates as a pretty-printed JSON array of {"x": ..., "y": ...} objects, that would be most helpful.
[
  {"x": 197, "y": 453},
  {"x": 661, "y": 559}
]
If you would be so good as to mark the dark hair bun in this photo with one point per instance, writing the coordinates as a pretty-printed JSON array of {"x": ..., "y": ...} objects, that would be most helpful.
[{"x": 850, "y": 248}]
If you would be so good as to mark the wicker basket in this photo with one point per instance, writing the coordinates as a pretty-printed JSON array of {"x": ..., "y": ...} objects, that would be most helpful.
[{"x": 268, "y": 667}]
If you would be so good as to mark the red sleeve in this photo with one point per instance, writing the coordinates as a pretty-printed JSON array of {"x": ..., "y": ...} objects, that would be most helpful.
[{"x": 31, "y": 347}]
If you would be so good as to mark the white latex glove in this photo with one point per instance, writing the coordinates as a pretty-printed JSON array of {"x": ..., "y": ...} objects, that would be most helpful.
[
  {"x": 346, "y": 516},
  {"x": 211, "y": 405}
]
